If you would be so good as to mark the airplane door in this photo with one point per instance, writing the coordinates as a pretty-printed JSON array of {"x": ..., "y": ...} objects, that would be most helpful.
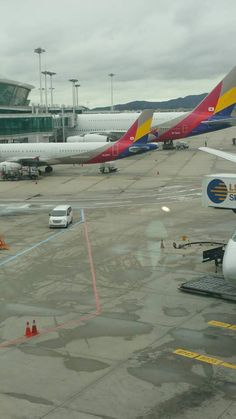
[
  {"x": 185, "y": 129},
  {"x": 115, "y": 150}
]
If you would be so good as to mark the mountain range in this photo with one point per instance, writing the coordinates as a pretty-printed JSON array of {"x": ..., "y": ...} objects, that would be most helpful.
[{"x": 180, "y": 104}]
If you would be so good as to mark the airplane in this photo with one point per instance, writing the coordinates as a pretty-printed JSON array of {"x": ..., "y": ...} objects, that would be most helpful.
[
  {"x": 14, "y": 156},
  {"x": 229, "y": 261},
  {"x": 223, "y": 154},
  {"x": 213, "y": 113}
]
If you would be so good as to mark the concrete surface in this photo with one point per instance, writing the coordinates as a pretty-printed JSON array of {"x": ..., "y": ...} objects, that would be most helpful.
[{"x": 105, "y": 297}]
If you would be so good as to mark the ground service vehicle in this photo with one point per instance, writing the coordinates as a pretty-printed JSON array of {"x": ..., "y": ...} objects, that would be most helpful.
[{"x": 61, "y": 216}]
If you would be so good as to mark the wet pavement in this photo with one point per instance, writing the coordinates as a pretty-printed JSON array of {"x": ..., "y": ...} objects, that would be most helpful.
[{"x": 117, "y": 339}]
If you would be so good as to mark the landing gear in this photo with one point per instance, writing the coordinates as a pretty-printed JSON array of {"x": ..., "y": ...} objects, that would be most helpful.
[
  {"x": 168, "y": 145},
  {"x": 48, "y": 169},
  {"x": 107, "y": 168}
]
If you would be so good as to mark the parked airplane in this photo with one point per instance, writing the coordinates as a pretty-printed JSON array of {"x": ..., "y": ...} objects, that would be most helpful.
[
  {"x": 47, "y": 154},
  {"x": 213, "y": 113},
  {"x": 229, "y": 261}
]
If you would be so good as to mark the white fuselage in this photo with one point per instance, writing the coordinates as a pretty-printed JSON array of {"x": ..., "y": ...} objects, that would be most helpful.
[
  {"x": 229, "y": 261},
  {"x": 50, "y": 153},
  {"x": 102, "y": 122}
]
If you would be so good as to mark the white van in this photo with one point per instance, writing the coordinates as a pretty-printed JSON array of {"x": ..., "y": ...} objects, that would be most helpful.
[{"x": 61, "y": 216}]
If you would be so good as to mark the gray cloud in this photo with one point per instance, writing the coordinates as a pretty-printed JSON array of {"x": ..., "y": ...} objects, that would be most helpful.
[{"x": 158, "y": 49}]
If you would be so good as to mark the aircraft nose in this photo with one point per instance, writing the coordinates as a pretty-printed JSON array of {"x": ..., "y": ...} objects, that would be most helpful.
[{"x": 229, "y": 263}]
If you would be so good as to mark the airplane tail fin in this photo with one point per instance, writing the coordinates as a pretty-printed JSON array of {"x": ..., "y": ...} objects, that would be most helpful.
[
  {"x": 221, "y": 100},
  {"x": 135, "y": 140},
  {"x": 138, "y": 132},
  {"x": 213, "y": 113}
]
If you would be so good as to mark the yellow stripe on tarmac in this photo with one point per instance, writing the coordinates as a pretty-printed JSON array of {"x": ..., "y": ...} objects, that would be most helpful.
[
  {"x": 204, "y": 358},
  {"x": 222, "y": 324},
  {"x": 188, "y": 354}
]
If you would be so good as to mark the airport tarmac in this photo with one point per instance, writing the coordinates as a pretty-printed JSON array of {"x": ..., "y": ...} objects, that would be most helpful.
[{"x": 117, "y": 339}]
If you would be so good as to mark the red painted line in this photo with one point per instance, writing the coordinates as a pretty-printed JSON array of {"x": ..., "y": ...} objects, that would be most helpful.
[
  {"x": 23, "y": 339},
  {"x": 92, "y": 269}
]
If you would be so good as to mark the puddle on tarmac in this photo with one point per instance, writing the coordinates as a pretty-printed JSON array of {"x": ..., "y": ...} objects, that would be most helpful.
[
  {"x": 32, "y": 399},
  {"x": 71, "y": 362},
  {"x": 175, "y": 311},
  {"x": 84, "y": 364},
  {"x": 26, "y": 309},
  {"x": 99, "y": 327}
]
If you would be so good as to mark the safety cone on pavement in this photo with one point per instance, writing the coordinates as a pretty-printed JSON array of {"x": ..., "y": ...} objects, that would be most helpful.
[
  {"x": 34, "y": 329},
  {"x": 162, "y": 244},
  {"x": 28, "y": 333}
]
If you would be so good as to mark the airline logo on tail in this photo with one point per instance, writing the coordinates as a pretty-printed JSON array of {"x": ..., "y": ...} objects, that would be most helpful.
[
  {"x": 213, "y": 113},
  {"x": 134, "y": 140}
]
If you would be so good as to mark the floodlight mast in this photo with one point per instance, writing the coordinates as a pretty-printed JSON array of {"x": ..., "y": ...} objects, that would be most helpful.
[
  {"x": 39, "y": 51},
  {"x": 51, "y": 73},
  {"x": 111, "y": 75},
  {"x": 73, "y": 81}
]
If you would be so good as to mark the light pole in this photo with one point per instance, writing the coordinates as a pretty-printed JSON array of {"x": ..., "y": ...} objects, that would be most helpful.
[
  {"x": 73, "y": 81},
  {"x": 77, "y": 95},
  {"x": 51, "y": 73},
  {"x": 46, "y": 90},
  {"x": 39, "y": 51},
  {"x": 111, "y": 75},
  {"x": 63, "y": 123}
]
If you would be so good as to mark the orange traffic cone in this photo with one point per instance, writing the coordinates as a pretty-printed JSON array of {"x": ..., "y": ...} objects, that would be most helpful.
[
  {"x": 34, "y": 329},
  {"x": 28, "y": 333}
]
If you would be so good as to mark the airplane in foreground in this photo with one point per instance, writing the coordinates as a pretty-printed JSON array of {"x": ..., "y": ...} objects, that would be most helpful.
[
  {"x": 14, "y": 156},
  {"x": 213, "y": 113},
  {"x": 229, "y": 259}
]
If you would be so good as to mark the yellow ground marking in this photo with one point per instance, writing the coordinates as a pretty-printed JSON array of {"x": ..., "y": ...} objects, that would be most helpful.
[
  {"x": 188, "y": 354},
  {"x": 228, "y": 365},
  {"x": 222, "y": 324},
  {"x": 209, "y": 360},
  {"x": 204, "y": 358}
]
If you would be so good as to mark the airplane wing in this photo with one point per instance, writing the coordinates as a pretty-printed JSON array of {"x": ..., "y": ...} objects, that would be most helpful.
[
  {"x": 218, "y": 153},
  {"x": 229, "y": 122}
]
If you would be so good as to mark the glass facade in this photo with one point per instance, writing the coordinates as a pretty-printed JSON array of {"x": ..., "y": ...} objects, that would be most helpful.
[
  {"x": 25, "y": 125},
  {"x": 13, "y": 95}
]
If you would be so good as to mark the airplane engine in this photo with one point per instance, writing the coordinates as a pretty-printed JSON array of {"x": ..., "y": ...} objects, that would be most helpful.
[
  {"x": 7, "y": 166},
  {"x": 229, "y": 261}
]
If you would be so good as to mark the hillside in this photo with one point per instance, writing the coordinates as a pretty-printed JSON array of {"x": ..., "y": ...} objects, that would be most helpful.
[{"x": 181, "y": 103}]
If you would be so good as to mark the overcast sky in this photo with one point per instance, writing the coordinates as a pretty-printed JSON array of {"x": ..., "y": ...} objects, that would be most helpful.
[{"x": 158, "y": 49}]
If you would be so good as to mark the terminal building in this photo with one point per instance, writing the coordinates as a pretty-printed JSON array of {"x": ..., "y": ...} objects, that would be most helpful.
[{"x": 20, "y": 122}]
